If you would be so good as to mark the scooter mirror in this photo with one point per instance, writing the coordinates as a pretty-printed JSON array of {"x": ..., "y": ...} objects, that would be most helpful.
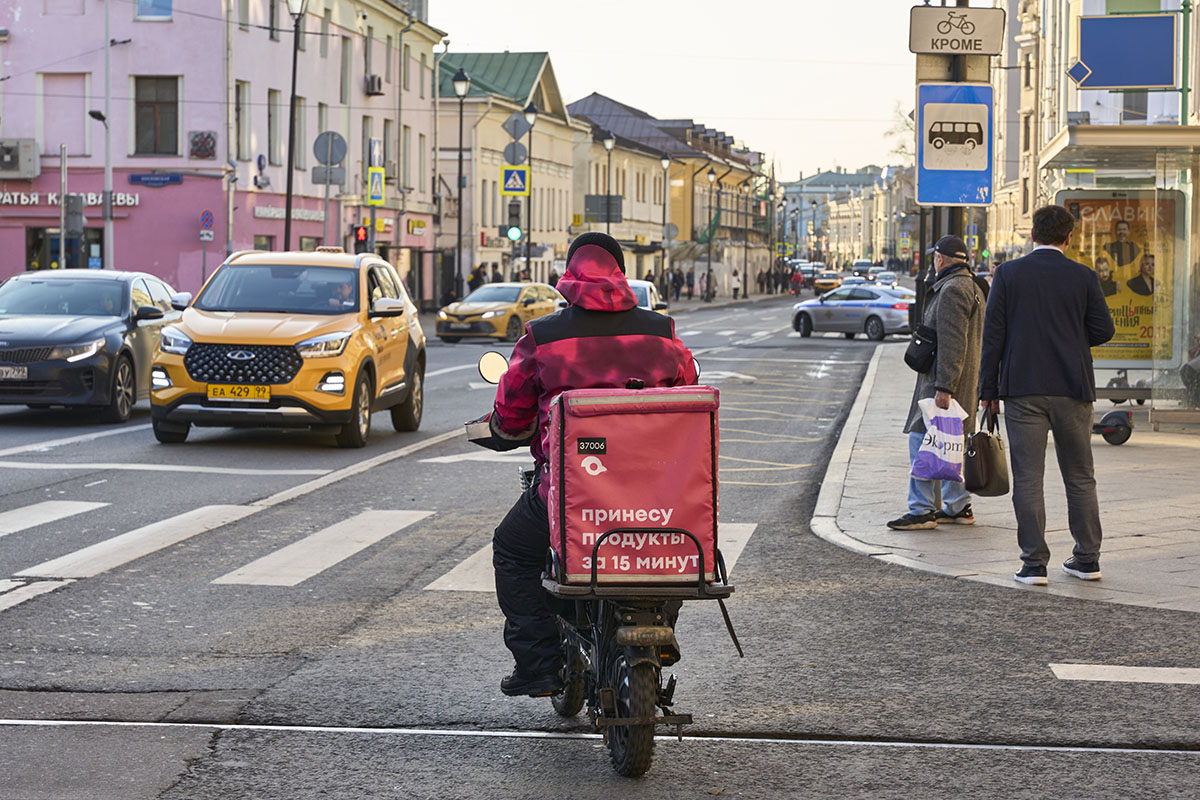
[
  {"x": 492, "y": 366},
  {"x": 696, "y": 364}
]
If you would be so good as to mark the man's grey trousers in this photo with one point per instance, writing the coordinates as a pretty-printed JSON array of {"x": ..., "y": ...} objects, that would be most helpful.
[{"x": 1028, "y": 419}]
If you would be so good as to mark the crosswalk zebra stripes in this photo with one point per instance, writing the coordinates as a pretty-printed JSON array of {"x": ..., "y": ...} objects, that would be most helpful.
[{"x": 42, "y": 514}]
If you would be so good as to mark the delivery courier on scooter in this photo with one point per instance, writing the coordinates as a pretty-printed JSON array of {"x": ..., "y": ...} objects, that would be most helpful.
[{"x": 601, "y": 340}]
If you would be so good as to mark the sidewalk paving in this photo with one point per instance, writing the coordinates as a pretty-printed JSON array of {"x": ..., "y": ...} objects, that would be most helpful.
[{"x": 1149, "y": 507}]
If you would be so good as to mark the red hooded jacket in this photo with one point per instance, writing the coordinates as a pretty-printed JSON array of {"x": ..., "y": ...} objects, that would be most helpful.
[{"x": 600, "y": 341}]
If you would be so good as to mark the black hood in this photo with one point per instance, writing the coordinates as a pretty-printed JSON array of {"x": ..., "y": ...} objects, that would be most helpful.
[{"x": 24, "y": 330}]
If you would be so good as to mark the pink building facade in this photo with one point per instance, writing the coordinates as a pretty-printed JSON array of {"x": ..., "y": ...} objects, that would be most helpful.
[{"x": 199, "y": 128}]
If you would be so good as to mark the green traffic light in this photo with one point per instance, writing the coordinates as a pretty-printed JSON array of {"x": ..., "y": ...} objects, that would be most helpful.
[
  {"x": 514, "y": 233},
  {"x": 985, "y": 254}
]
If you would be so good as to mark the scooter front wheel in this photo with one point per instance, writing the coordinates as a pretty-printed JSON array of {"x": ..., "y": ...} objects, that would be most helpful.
[{"x": 632, "y": 746}]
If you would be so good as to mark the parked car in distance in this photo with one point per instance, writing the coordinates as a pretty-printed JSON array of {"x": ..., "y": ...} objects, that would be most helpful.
[
  {"x": 80, "y": 337},
  {"x": 647, "y": 296},
  {"x": 873, "y": 271},
  {"x": 851, "y": 310},
  {"x": 826, "y": 281},
  {"x": 856, "y": 280},
  {"x": 319, "y": 340},
  {"x": 886, "y": 279},
  {"x": 497, "y": 311},
  {"x": 860, "y": 267}
]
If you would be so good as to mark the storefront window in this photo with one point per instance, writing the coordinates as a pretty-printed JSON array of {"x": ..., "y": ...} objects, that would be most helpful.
[
  {"x": 266, "y": 243},
  {"x": 81, "y": 252},
  {"x": 309, "y": 243}
]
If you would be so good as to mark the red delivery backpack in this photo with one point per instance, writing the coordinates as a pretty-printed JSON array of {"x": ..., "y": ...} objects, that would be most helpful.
[{"x": 643, "y": 461}]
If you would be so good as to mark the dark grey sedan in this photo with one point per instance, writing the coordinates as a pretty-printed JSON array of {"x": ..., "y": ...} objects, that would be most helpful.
[{"x": 79, "y": 337}]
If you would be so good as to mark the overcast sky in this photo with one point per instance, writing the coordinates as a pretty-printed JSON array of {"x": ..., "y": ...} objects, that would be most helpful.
[{"x": 811, "y": 83}]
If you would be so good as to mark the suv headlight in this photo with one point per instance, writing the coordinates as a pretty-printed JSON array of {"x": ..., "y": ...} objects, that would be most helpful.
[
  {"x": 331, "y": 344},
  {"x": 490, "y": 314},
  {"x": 173, "y": 340},
  {"x": 77, "y": 352}
]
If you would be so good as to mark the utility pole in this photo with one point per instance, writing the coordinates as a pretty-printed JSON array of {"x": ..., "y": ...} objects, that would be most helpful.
[{"x": 109, "y": 261}]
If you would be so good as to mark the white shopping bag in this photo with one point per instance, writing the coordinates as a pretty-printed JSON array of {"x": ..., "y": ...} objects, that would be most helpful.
[{"x": 941, "y": 455}]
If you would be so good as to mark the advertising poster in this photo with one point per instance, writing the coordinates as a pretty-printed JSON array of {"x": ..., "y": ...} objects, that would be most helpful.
[{"x": 1131, "y": 239}]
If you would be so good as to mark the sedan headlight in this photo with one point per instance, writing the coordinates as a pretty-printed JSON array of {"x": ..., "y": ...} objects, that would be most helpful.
[
  {"x": 77, "y": 352},
  {"x": 442, "y": 314},
  {"x": 173, "y": 340},
  {"x": 490, "y": 314},
  {"x": 331, "y": 344}
]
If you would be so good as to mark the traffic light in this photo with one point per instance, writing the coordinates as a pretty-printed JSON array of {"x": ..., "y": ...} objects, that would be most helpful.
[
  {"x": 514, "y": 220},
  {"x": 74, "y": 215},
  {"x": 360, "y": 239}
]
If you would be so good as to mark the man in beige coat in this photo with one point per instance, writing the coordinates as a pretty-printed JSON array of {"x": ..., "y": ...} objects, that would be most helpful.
[{"x": 954, "y": 307}]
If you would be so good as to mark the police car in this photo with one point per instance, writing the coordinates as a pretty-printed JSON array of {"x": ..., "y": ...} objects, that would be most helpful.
[{"x": 877, "y": 311}]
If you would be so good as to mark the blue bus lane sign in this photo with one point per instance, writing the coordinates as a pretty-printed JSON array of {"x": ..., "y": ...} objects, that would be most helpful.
[{"x": 954, "y": 144}]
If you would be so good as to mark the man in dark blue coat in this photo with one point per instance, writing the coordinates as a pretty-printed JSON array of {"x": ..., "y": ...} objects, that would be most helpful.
[{"x": 1044, "y": 314}]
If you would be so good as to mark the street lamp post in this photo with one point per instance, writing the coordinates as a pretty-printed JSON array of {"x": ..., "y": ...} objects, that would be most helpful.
[
  {"x": 813, "y": 205},
  {"x": 708, "y": 287},
  {"x": 531, "y": 114},
  {"x": 102, "y": 118},
  {"x": 666, "y": 165},
  {"x": 610, "y": 141},
  {"x": 462, "y": 84},
  {"x": 296, "y": 8},
  {"x": 746, "y": 245}
]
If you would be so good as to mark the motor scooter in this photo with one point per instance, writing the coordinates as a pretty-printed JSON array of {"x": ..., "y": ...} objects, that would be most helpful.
[{"x": 616, "y": 640}]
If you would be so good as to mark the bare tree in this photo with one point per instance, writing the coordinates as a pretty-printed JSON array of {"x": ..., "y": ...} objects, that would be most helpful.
[{"x": 903, "y": 134}]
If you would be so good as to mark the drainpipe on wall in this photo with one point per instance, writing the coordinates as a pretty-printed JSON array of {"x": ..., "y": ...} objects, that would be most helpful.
[{"x": 230, "y": 133}]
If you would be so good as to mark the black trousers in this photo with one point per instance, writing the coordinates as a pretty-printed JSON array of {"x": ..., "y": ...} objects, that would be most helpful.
[{"x": 519, "y": 548}]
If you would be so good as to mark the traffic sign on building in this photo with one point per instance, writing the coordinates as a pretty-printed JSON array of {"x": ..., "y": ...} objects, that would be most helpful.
[
  {"x": 375, "y": 183},
  {"x": 514, "y": 181},
  {"x": 954, "y": 144}
]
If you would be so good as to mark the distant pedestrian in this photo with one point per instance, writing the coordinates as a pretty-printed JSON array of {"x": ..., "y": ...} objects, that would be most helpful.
[
  {"x": 676, "y": 283},
  {"x": 649, "y": 276},
  {"x": 553, "y": 279},
  {"x": 704, "y": 285},
  {"x": 690, "y": 278},
  {"x": 1044, "y": 315},
  {"x": 954, "y": 307},
  {"x": 762, "y": 281},
  {"x": 497, "y": 275},
  {"x": 475, "y": 279},
  {"x": 737, "y": 284}
]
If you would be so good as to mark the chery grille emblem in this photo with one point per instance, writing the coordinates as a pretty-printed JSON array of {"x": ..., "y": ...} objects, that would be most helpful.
[{"x": 240, "y": 355}]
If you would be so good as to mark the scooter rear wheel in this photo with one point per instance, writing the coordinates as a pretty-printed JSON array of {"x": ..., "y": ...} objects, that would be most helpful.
[
  {"x": 570, "y": 701},
  {"x": 632, "y": 746}
]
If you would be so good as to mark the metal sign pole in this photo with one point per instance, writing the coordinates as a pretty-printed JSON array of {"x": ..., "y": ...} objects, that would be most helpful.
[
  {"x": 328, "y": 166},
  {"x": 62, "y": 206}
]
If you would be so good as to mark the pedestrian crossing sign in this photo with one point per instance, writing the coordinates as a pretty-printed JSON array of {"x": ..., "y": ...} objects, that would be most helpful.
[
  {"x": 514, "y": 180},
  {"x": 375, "y": 186}
]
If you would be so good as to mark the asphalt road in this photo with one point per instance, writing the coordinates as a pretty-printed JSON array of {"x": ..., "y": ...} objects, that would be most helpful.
[{"x": 195, "y": 657}]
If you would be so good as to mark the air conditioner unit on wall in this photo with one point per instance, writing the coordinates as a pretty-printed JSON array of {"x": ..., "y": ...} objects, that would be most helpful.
[
  {"x": 19, "y": 159},
  {"x": 374, "y": 84}
]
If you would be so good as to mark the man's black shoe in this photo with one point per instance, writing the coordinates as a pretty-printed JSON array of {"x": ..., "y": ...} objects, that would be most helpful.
[
  {"x": 964, "y": 517},
  {"x": 521, "y": 685},
  {"x": 1084, "y": 570},
  {"x": 914, "y": 522},
  {"x": 1033, "y": 576}
]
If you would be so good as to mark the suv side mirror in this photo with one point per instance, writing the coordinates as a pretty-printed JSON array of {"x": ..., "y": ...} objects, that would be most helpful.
[
  {"x": 181, "y": 300},
  {"x": 388, "y": 307},
  {"x": 528, "y": 301},
  {"x": 660, "y": 306},
  {"x": 147, "y": 312}
]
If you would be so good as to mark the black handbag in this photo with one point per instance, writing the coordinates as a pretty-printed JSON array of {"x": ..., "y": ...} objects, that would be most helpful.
[
  {"x": 985, "y": 467},
  {"x": 922, "y": 349}
]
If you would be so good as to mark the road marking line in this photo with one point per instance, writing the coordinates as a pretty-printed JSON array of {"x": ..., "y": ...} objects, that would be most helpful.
[
  {"x": 725, "y": 333},
  {"x": 85, "y": 437},
  {"x": 437, "y": 372},
  {"x": 122, "y": 466},
  {"x": 688, "y": 333},
  {"x": 28, "y": 592},
  {"x": 663, "y": 739},
  {"x": 119, "y": 550},
  {"x": 42, "y": 513},
  {"x": 515, "y": 457},
  {"x": 1105, "y": 672},
  {"x": 318, "y": 552},
  {"x": 474, "y": 573},
  {"x": 354, "y": 469},
  {"x": 8, "y": 584}
]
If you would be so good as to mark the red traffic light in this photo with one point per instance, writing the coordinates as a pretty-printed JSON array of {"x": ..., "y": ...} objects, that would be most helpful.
[{"x": 360, "y": 233}]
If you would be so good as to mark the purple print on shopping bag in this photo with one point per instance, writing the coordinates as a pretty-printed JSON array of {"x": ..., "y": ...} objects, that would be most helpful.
[{"x": 940, "y": 457}]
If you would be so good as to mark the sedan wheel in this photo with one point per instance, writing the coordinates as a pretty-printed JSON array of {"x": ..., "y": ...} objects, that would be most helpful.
[
  {"x": 874, "y": 329},
  {"x": 803, "y": 324},
  {"x": 123, "y": 394}
]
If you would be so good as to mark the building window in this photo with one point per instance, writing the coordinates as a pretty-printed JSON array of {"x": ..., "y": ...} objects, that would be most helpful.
[
  {"x": 421, "y": 163},
  {"x": 344, "y": 91},
  {"x": 483, "y": 204},
  {"x": 302, "y": 37},
  {"x": 405, "y": 140},
  {"x": 309, "y": 243},
  {"x": 274, "y": 146},
  {"x": 404, "y": 70},
  {"x": 156, "y": 111},
  {"x": 241, "y": 118},
  {"x": 1134, "y": 107},
  {"x": 389, "y": 148},
  {"x": 244, "y": 14},
  {"x": 273, "y": 18},
  {"x": 367, "y": 127},
  {"x": 1026, "y": 131},
  {"x": 1025, "y": 195},
  {"x": 64, "y": 113},
  {"x": 421, "y": 77},
  {"x": 325, "y": 20},
  {"x": 495, "y": 202},
  {"x": 1027, "y": 71},
  {"x": 387, "y": 60},
  {"x": 262, "y": 242},
  {"x": 322, "y": 118},
  {"x": 153, "y": 9},
  {"x": 299, "y": 150},
  {"x": 367, "y": 50}
]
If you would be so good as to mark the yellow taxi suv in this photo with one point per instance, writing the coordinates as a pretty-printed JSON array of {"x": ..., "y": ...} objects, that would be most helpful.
[
  {"x": 496, "y": 310},
  {"x": 826, "y": 280},
  {"x": 318, "y": 340}
]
